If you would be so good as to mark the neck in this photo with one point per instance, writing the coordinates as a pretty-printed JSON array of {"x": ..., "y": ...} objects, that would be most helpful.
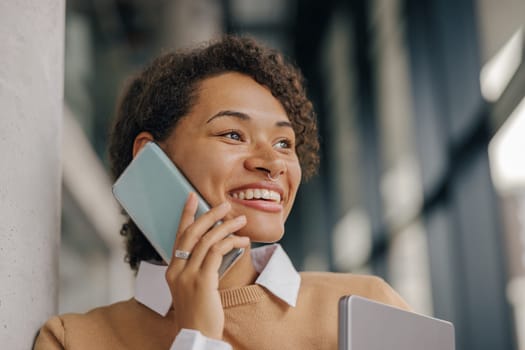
[{"x": 241, "y": 274}]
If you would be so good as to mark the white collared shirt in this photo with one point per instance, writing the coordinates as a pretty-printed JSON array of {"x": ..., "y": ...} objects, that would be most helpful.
[{"x": 276, "y": 273}]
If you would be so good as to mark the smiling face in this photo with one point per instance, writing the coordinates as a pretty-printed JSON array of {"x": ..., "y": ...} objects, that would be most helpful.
[{"x": 234, "y": 136}]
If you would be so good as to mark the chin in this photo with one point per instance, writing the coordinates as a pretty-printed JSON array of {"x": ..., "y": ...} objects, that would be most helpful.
[{"x": 262, "y": 233}]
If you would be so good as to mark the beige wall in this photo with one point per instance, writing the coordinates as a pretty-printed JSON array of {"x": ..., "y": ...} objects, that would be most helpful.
[{"x": 31, "y": 90}]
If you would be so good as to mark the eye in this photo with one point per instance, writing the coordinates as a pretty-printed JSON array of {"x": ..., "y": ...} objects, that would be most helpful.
[
  {"x": 283, "y": 144},
  {"x": 233, "y": 135}
]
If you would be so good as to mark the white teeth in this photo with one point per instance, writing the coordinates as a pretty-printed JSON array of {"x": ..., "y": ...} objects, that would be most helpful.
[{"x": 258, "y": 193}]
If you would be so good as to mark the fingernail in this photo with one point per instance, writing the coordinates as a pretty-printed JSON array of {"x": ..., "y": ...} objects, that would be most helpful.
[
  {"x": 240, "y": 219},
  {"x": 224, "y": 206},
  {"x": 192, "y": 198}
]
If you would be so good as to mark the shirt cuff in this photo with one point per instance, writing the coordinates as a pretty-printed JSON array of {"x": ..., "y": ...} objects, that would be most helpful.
[{"x": 190, "y": 339}]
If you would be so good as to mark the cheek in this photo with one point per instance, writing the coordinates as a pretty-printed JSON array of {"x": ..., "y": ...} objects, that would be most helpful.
[
  {"x": 295, "y": 175},
  {"x": 294, "y": 170},
  {"x": 194, "y": 165},
  {"x": 209, "y": 173}
]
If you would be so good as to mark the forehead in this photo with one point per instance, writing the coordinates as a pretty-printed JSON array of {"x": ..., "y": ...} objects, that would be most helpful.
[{"x": 237, "y": 92}]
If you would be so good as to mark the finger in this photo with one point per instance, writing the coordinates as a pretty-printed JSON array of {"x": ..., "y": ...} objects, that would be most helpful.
[
  {"x": 213, "y": 259},
  {"x": 211, "y": 238},
  {"x": 194, "y": 229},
  {"x": 187, "y": 216},
  {"x": 201, "y": 225}
]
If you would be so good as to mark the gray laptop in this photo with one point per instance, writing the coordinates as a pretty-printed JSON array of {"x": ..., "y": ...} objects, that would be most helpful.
[{"x": 368, "y": 325}]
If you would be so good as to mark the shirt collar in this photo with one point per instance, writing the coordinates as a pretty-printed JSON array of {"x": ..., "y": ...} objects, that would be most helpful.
[{"x": 276, "y": 273}]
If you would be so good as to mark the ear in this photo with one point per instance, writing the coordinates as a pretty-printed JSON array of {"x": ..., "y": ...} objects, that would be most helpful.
[{"x": 140, "y": 141}]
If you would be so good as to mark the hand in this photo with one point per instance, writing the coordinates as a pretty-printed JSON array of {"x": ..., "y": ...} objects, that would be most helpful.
[{"x": 194, "y": 283}]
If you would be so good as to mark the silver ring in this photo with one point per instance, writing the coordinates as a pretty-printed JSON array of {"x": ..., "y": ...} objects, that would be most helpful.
[
  {"x": 272, "y": 179},
  {"x": 182, "y": 254}
]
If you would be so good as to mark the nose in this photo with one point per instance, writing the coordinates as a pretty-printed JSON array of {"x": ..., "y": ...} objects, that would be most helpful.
[{"x": 266, "y": 161}]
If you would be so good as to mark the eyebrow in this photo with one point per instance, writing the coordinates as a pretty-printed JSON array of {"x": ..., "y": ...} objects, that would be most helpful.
[
  {"x": 227, "y": 113},
  {"x": 244, "y": 116}
]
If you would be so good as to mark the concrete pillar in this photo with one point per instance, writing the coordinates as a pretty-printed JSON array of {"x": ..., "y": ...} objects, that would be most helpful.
[{"x": 31, "y": 94}]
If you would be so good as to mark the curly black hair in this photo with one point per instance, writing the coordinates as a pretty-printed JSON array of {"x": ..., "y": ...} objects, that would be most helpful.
[{"x": 166, "y": 90}]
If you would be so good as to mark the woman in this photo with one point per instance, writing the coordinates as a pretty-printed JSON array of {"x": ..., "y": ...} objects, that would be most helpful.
[{"x": 235, "y": 119}]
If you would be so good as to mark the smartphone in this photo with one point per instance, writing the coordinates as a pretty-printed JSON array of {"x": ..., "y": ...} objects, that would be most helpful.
[{"x": 153, "y": 191}]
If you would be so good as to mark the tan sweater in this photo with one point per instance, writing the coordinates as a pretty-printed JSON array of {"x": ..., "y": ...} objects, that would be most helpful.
[{"x": 255, "y": 319}]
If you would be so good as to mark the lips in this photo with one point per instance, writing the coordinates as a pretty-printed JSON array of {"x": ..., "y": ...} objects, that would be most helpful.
[
  {"x": 257, "y": 193},
  {"x": 262, "y": 196}
]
